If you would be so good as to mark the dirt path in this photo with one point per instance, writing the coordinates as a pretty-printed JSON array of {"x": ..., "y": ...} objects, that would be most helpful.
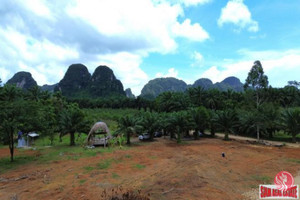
[
  {"x": 166, "y": 170},
  {"x": 236, "y": 137}
]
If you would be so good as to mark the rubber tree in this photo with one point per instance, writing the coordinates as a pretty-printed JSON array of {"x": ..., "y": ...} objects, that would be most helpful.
[{"x": 257, "y": 81}]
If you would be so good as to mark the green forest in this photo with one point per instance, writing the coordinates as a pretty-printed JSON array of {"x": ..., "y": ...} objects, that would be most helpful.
[{"x": 260, "y": 111}]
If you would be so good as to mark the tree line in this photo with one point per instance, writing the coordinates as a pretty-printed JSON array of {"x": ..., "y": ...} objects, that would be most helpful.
[
  {"x": 259, "y": 111},
  {"x": 40, "y": 111}
]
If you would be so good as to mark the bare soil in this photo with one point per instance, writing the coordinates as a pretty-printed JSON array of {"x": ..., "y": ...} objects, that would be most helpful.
[{"x": 164, "y": 169}]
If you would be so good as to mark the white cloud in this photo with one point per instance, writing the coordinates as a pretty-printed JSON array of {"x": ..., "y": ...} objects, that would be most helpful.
[
  {"x": 45, "y": 37},
  {"x": 193, "y": 32},
  {"x": 4, "y": 74},
  {"x": 38, "y": 7},
  {"x": 171, "y": 73},
  {"x": 279, "y": 66},
  {"x": 194, "y": 2},
  {"x": 126, "y": 68},
  {"x": 237, "y": 12},
  {"x": 198, "y": 59},
  {"x": 145, "y": 22}
]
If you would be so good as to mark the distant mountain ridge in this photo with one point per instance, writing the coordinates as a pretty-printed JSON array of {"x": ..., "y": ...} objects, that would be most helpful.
[
  {"x": 159, "y": 85},
  {"x": 78, "y": 82}
]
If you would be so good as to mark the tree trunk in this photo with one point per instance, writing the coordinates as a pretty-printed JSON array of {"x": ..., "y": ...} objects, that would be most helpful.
[
  {"x": 270, "y": 133},
  {"x": 294, "y": 138},
  {"x": 11, "y": 145},
  {"x": 151, "y": 136},
  {"x": 196, "y": 135},
  {"x": 178, "y": 136},
  {"x": 60, "y": 137},
  {"x": 212, "y": 131},
  {"x": 72, "y": 139},
  {"x": 257, "y": 104},
  {"x": 128, "y": 138},
  {"x": 226, "y": 136},
  {"x": 257, "y": 132}
]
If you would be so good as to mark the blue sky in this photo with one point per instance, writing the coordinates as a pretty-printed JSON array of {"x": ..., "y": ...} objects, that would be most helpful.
[{"x": 144, "y": 39}]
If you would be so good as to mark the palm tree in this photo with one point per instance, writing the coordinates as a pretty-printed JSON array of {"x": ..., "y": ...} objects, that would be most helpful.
[
  {"x": 196, "y": 95},
  {"x": 211, "y": 122},
  {"x": 213, "y": 99},
  {"x": 34, "y": 93},
  {"x": 127, "y": 124},
  {"x": 179, "y": 121},
  {"x": 10, "y": 93},
  {"x": 250, "y": 120},
  {"x": 226, "y": 120},
  {"x": 200, "y": 118},
  {"x": 271, "y": 117},
  {"x": 150, "y": 123},
  {"x": 71, "y": 121},
  {"x": 291, "y": 121}
]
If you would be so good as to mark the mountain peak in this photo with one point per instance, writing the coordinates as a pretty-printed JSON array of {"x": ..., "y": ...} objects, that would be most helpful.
[
  {"x": 159, "y": 85},
  {"x": 75, "y": 80},
  {"x": 22, "y": 80}
]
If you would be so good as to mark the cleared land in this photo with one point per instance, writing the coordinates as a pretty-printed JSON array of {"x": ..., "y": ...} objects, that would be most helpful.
[{"x": 166, "y": 170}]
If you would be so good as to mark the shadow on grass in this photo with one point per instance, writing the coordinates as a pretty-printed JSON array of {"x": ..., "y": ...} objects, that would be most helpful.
[
  {"x": 48, "y": 155},
  {"x": 6, "y": 165}
]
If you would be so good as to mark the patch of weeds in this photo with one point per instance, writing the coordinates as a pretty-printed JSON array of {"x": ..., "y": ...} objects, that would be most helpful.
[
  {"x": 6, "y": 165},
  {"x": 139, "y": 166},
  {"x": 82, "y": 181},
  {"x": 88, "y": 168},
  {"x": 262, "y": 179},
  {"x": 294, "y": 160},
  {"x": 153, "y": 157},
  {"x": 128, "y": 156},
  {"x": 75, "y": 157},
  {"x": 61, "y": 188},
  {"x": 106, "y": 150},
  {"x": 115, "y": 175},
  {"x": 105, "y": 164},
  {"x": 89, "y": 153}
]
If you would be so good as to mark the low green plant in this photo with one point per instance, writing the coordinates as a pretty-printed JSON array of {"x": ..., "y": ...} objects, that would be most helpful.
[
  {"x": 88, "y": 168},
  {"x": 115, "y": 175},
  {"x": 139, "y": 166},
  {"x": 262, "y": 178},
  {"x": 294, "y": 160},
  {"x": 82, "y": 181},
  {"x": 105, "y": 164},
  {"x": 128, "y": 156}
]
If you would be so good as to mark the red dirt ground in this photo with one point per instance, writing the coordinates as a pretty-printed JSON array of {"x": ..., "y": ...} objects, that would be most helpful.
[{"x": 193, "y": 170}]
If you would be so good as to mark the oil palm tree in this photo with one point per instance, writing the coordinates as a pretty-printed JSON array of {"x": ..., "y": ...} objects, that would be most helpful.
[
  {"x": 150, "y": 123},
  {"x": 226, "y": 121},
  {"x": 200, "y": 118},
  {"x": 180, "y": 122},
  {"x": 71, "y": 121},
  {"x": 127, "y": 124},
  {"x": 291, "y": 121}
]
